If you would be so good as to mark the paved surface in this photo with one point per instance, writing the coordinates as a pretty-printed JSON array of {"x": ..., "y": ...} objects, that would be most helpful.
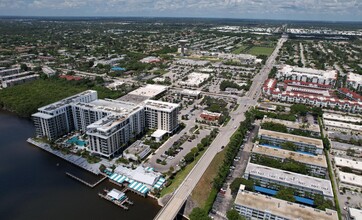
[
  {"x": 170, "y": 210},
  {"x": 302, "y": 54}
]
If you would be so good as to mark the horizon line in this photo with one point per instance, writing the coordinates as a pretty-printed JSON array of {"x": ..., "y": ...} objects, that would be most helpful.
[{"x": 187, "y": 17}]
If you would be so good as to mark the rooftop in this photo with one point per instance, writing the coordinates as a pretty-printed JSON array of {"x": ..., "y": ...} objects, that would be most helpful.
[
  {"x": 294, "y": 125},
  {"x": 329, "y": 74},
  {"x": 318, "y": 160},
  {"x": 343, "y": 162},
  {"x": 282, "y": 208},
  {"x": 355, "y": 213},
  {"x": 162, "y": 106},
  {"x": 343, "y": 125},
  {"x": 139, "y": 174},
  {"x": 298, "y": 180},
  {"x": 292, "y": 138},
  {"x": 338, "y": 117},
  {"x": 149, "y": 90},
  {"x": 349, "y": 178},
  {"x": 354, "y": 77}
]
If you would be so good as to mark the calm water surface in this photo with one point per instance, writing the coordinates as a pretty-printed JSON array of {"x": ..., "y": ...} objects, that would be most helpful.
[{"x": 32, "y": 186}]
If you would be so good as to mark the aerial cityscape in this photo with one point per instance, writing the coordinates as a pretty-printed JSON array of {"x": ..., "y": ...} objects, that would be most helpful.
[{"x": 180, "y": 117}]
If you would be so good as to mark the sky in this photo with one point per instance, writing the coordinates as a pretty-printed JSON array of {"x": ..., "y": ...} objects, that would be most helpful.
[{"x": 324, "y": 10}]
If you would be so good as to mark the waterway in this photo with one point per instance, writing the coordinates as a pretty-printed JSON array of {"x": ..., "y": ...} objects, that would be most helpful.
[{"x": 33, "y": 183}]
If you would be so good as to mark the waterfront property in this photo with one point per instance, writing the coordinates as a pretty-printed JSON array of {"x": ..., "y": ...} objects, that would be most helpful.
[
  {"x": 305, "y": 144},
  {"x": 317, "y": 164},
  {"x": 274, "y": 178},
  {"x": 257, "y": 206},
  {"x": 109, "y": 124}
]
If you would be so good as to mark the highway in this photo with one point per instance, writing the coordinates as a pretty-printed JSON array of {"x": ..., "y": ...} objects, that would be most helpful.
[{"x": 178, "y": 198}]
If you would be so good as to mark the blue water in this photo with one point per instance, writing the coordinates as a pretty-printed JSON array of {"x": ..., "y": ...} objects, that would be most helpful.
[
  {"x": 75, "y": 140},
  {"x": 272, "y": 192},
  {"x": 116, "y": 68}
]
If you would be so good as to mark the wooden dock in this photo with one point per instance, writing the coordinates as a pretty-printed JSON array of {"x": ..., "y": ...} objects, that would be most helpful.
[
  {"x": 118, "y": 203},
  {"x": 85, "y": 182}
]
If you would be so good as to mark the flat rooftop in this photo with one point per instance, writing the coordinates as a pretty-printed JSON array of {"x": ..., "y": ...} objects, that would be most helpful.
[
  {"x": 162, "y": 106},
  {"x": 355, "y": 213},
  {"x": 65, "y": 101},
  {"x": 282, "y": 208},
  {"x": 149, "y": 90},
  {"x": 292, "y": 138},
  {"x": 344, "y": 118},
  {"x": 354, "y": 77},
  {"x": 350, "y": 179},
  {"x": 343, "y": 162},
  {"x": 329, "y": 74},
  {"x": 318, "y": 160},
  {"x": 342, "y": 125},
  {"x": 294, "y": 125},
  {"x": 298, "y": 180}
]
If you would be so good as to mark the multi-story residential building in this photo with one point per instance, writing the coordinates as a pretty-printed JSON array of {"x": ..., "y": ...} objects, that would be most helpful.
[
  {"x": 55, "y": 120},
  {"x": 354, "y": 80},
  {"x": 317, "y": 165},
  {"x": 349, "y": 181},
  {"x": 275, "y": 178},
  {"x": 110, "y": 135},
  {"x": 257, "y": 206},
  {"x": 313, "y": 129},
  {"x": 19, "y": 80},
  {"x": 109, "y": 124},
  {"x": 304, "y": 144},
  {"x": 354, "y": 166},
  {"x": 8, "y": 72},
  {"x": 161, "y": 115},
  {"x": 326, "y": 77}
]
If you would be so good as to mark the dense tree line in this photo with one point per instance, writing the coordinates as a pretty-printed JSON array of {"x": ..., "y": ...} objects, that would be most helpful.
[{"x": 25, "y": 99}]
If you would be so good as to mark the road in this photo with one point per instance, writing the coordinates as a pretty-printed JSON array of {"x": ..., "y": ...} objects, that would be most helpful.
[
  {"x": 302, "y": 54},
  {"x": 178, "y": 198}
]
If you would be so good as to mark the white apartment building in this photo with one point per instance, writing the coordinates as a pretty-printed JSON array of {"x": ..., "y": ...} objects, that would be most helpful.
[
  {"x": 354, "y": 80},
  {"x": 305, "y": 144},
  {"x": 291, "y": 125},
  {"x": 109, "y": 124},
  {"x": 7, "y": 72},
  {"x": 317, "y": 164},
  {"x": 161, "y": 115},
  {"x": 326, "y": 77},
  {"x": 274, "y": 178},
  {"x": 257, "y": 206},
  {"x": 55, "y": 120}
]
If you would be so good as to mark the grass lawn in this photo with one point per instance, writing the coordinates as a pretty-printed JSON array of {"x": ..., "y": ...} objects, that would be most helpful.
[
  {"x": 261, "y": 51},
  {"x": 239, "y": 50},
  {"x": 180, "y": 176},
  {"x": 203, "y": 188}
]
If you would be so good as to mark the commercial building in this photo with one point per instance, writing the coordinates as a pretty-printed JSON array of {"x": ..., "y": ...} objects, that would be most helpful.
[
  {"x": 326, "y": 77},
  {"x": 109, "y": 124},
  {"x": 354, "y": 165},
  {"x": 354, "y": 80},
  {"x": 144, "y": 93},
  {"x": 317, "y": 165},
  {"x": 195, "y": 79},
  {"x": 257, "y": 206},
  {"x": 275, "y": 178},
  {"x": 150, "y": 59},
  {"x": 305, "y": 144},
  {"x": 48, "y": 71},
  {"x": 189, "y": 93},
  {"x": 313, "y": 129},
  {"x": 210, "y": 116},
  {"x": 137, "y": 151},
  {"x": 188, "y": 62}
]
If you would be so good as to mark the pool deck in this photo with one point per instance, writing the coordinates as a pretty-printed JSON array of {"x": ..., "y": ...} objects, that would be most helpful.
[{"x": 74, "y": 159}]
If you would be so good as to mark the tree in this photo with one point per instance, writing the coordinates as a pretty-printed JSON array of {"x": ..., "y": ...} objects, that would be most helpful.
[
  {"x": 299, "y": 109},
  {"x": 286, "y": 194},
  {"x": 24, "y": 67},
  {"x": 199, "y": 214},
  {"x": 234, "y": 186},
  {"x": 232, "y": 214}
]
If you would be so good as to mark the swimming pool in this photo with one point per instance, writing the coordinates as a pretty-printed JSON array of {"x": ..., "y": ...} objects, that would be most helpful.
[{"x": 75, "y": 140}]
